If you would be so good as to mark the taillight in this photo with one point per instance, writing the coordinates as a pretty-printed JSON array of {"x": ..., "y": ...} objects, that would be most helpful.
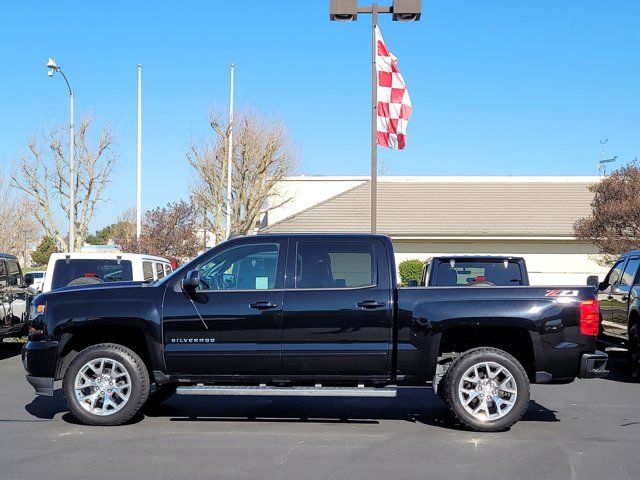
[{"x": 589, "y": 317}]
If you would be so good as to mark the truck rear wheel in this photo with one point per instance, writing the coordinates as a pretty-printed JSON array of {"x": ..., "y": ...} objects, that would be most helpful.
[
  {"x": 487, "y": 389},
  {"x": 106, "y": 384}
]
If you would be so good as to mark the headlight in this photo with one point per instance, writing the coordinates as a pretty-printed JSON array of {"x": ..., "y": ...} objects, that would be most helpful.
[{"x": 36, "y": 310}]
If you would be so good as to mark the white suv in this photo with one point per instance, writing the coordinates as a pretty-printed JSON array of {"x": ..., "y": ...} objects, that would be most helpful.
[{"x": 68, "y": 269}]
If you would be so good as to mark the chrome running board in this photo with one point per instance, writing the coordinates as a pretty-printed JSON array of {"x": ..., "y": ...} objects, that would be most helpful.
[{"x": 262, "y": 390}]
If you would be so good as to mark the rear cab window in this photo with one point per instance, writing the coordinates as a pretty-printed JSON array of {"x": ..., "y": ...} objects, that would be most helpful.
[
  {"x": 334, "y": 264},
  {"x": 89, "y": 271},
  {"x": 458, "y": 273}
]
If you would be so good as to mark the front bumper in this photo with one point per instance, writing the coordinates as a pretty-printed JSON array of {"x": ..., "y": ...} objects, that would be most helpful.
[
  {"x": 42, "y": 385},
  {"x": 40, "y": 360},
  {"x": 593, "y": 365}
]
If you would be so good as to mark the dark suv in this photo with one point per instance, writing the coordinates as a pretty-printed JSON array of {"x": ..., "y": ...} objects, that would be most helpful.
[
  {"x": 619, "y": 296},
  {"x": 15, "y": 297}
]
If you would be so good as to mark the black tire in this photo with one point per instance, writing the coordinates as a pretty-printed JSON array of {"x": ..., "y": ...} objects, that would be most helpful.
[
  {"x": 139, "y": 381},
  {"x": 634, "y": 351},
  {"x": 161, "y": 393},
  {"x": 452, "y": 389}
]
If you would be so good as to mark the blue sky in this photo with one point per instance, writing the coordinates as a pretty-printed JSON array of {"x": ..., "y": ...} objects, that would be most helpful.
[{"x": 498, "y": 87}]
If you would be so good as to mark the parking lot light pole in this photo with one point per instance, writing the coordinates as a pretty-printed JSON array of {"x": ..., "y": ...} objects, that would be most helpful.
[
  {"x": 347, "y": 11},
  {"x": 53, "y": 68}
]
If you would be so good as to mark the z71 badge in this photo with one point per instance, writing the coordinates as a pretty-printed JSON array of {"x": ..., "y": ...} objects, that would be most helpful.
[{"x": 561, "y": 293}]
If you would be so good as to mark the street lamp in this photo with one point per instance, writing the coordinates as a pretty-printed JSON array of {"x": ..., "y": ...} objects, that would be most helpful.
[
  {"x": 53, "y": 68},
  {"x": 347, "y": 11}
]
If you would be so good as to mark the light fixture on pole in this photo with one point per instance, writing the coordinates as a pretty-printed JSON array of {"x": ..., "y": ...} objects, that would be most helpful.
[
  {"x": 347, "y": 11},
  {"x": 53, "y": 68}
]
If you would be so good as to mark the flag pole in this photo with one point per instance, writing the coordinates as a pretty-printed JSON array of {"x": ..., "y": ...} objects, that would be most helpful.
[
  {"x": 374, "y": 120},
  {"x": 230, "y": 155},
  {"x": 139, "y": 173}
]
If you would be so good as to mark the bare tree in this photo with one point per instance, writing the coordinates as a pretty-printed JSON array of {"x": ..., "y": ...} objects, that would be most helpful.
[
  {"x": 44, "y": 177},
  {"x": 169, "y": 231},
  {"x": 262, "y": 157},
  {"x": 18, "y": 230},
  {"x": 614, "y": 223}
]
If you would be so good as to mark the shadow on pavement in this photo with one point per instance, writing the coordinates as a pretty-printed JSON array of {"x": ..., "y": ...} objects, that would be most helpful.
[
  {"x": 619, "y": 369},
  {"x": 9, "y": 349},
  {"x": 47, "y": 407},
  {"x": 411, "y": 404}
]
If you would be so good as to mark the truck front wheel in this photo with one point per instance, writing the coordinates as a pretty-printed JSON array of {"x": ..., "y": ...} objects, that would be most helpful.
[
  {"x": 487, "y": 389},
  {"x": 106, "y": 384}
]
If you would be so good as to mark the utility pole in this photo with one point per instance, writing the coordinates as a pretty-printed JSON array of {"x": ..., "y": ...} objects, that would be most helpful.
[
  {"x": 53, "y": 68},
  {"x": 230, "y": 155},
  {"x": 348, "y": 11},
  {"x": 139, "y": 174}
]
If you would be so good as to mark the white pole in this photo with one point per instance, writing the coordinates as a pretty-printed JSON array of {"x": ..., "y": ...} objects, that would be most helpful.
[
  {"x": 230, "y": 155},
  {"x": 72, "y": 175},
  {"x": 139, "y": 180}
]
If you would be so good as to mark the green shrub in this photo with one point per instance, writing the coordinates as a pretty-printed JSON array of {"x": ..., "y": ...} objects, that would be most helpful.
[{"x": 410, "y": 270}]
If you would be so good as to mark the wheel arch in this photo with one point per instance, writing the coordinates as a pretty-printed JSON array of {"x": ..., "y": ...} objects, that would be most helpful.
[
  {"x": 129, "y": 333},
  {"x": 515, "y": 340}
]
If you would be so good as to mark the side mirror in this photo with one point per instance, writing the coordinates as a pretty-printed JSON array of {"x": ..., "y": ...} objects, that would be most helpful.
[
  {"x": 191, "y": 280},
  {"x": 28, "y": 279},
  {"x": 412, "y": 283},
  {"x": 593, "y": 281}
]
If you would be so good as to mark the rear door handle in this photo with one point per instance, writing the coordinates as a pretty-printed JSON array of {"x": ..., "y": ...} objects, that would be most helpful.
[
  {"x": 263, "y": 305},
  {"x": 370, "y": 304}
]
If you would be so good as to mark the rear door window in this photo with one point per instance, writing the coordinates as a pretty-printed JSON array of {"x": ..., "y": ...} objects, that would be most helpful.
[
  {"x": 147, "y": 271},
  {"x": 90, "y": 271},
  {"x": 159, "y": 270},
  {"x": 3, "y": 273},
  {"x": 15, "y": 275},
  {"x": 334, "y": 265}
]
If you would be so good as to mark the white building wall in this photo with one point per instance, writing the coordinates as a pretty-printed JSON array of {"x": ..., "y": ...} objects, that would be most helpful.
[{"x": 548, "y": 262}]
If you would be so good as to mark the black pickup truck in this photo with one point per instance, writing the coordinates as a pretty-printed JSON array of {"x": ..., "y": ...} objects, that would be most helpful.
[
  {"x": 619, "y": 295},
  {"x": 307, "y": 315}
]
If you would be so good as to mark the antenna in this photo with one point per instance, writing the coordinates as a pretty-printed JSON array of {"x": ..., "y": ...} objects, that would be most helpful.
[{"x": 602, "y": 164}]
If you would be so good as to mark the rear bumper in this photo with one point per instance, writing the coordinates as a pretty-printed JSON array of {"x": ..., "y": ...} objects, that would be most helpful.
[{"x": 593, "y": 365}]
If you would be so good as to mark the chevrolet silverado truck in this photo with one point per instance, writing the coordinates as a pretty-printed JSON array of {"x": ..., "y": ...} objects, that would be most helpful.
[{"x": 307, "y": 315}]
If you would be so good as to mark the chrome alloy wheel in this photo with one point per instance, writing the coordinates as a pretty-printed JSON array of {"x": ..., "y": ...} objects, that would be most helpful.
[
  {"x": 487, "y": 391},
  {"x": 102, "y": 386}
]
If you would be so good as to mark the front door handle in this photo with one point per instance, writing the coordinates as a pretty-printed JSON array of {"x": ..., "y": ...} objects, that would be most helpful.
[
  {"x": 263, "y": 305},
  {"x": 370, "y": 304}
]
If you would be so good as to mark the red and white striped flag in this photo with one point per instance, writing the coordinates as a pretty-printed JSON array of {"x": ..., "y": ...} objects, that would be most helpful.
[{"x": 394, "y": 104}]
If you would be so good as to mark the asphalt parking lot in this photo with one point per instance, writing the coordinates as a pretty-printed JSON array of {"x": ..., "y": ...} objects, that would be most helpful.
[{"x": 588, "y": 429}]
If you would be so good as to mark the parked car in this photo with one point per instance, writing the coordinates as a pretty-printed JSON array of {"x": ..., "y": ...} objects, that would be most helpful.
[
  {"x": 15, "y": 296},
  {"x": 38, "y": 279},
  {"x": 68, "y": 269},
  {"x": 619, "y": 295},
  {"x": 475, "y": 271},
  {"x": 307, "y": 315}
]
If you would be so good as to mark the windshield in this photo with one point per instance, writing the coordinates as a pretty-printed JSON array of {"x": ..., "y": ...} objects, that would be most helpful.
[
  {"x": 470, "y": 272},
  {"x": 88, "y": 271}
]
